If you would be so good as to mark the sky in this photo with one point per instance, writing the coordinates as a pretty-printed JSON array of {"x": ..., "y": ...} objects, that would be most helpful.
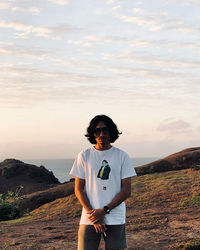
[{"x": 64, "y": 61}]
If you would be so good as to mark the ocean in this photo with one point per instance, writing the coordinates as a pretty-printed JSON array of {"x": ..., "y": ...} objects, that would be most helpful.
[{"x": 62, "y": 167}]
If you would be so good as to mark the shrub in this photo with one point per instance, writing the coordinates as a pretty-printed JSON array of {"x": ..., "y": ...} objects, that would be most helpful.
[{"x": 9, "y": 205}]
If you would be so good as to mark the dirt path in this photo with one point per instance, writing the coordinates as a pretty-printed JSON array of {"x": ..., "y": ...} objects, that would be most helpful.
[{"x": 49, "y": 234}]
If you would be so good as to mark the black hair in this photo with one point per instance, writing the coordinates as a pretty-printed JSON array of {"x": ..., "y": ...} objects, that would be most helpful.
[{"x": 112, "y": 127}]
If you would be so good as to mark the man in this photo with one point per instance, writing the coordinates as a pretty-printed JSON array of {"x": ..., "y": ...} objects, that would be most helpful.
[{"x": 102, "y": 184}]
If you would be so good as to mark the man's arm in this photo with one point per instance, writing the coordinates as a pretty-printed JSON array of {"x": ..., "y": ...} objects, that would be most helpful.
[
  {"x": 97, "y": 214},
  {"x": 84, "y": 201},
  {"x": 81, "y": 194},
  {"x": 123, "y": 194}
]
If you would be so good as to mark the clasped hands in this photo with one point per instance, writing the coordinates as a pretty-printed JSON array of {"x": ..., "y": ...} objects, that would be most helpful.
[{"x": 96, "y": 217}]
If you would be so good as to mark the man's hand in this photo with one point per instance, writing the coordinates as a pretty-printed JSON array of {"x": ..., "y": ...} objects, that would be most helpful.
[
  {"x": 96, "y": 215},
  {"x": 100, "y": 227}
]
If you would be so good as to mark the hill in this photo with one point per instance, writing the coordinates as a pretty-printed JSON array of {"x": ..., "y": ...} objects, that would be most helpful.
[
  {"x": 162, "y": 213},
  {"x": 37, "y": 199},
  {"x": 187, "y": 158},
  {"x": 15, "y": 173}
]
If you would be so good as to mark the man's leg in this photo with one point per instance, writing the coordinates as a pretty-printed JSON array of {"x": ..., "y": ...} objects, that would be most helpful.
[
  {"x": 114, "y": 249},
  {"x": 88, "y": 239},
  {"x": 115, "y": 238}
]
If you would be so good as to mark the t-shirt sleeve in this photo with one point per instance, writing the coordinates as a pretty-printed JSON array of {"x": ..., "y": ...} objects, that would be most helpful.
[
  {"x": 127, "y": 169},
  {"x": 78, "y": 168}
]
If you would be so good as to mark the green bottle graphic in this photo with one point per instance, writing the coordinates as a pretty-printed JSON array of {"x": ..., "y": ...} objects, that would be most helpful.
[{"x": 104, "y": 171}]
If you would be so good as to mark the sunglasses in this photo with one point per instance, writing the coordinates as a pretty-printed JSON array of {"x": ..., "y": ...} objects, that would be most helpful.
[{"x": 98, "y": 131}]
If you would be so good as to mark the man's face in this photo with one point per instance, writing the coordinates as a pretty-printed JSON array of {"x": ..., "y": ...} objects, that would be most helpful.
[{"x": 102, "y": 135}]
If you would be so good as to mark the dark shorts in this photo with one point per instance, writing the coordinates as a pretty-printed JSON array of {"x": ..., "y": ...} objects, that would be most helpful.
[{"x": 115, "y": 238}]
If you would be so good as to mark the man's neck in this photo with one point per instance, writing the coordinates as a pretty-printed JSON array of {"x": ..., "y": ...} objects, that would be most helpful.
[{"x": 101, "y": 148}]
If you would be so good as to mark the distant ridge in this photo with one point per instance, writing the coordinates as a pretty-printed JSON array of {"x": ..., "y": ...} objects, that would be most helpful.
[{"x": 187, "y": 158}]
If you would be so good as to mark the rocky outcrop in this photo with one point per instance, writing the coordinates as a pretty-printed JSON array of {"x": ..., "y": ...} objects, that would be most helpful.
[
  {"x": 15, "y": 173},
  {"x": 187, "y": 158}
]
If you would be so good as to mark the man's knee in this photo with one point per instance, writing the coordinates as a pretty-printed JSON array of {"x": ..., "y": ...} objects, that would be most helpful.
[{"x": 114, "y": 249}]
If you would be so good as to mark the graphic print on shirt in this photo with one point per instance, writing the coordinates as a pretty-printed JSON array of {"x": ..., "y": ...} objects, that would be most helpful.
[{"x": 104, "y": 171}]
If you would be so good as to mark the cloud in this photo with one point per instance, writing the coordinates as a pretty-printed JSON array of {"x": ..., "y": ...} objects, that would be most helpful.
[
  {"x": 114, "y": 71},
  {"x": 174, "y": 126},
  {"x": 160, "y": 23},
  {"x": 21, "y": 76},
  {"x": 196, "y": 2},
  {"x": 93, "y": 38},
  {"x": 38, "y": 31},
  {"x": 4, "y": 5},
  {"x": 112, "y": 1},
  {"x": 140, "y": 20},
  {"x": 59, "y": 2},
  {"x": 179, "y": 25},
  {"x": 16, "y": 26},
  {"x": 15, "y": 8},
  {"x": 157, "y": 61},
  {"x": 118, "y": 7},
  {"x": 145, "y": 68},
  {"x": 32, "y": 10},
  {"x": 187, "y": 2},
  {"x": 137, "y": 72},
  {"x": 111, "y": 39},
  {"x": 140, "y": 43},
  {"x": 24, "y": 86},
  {"x": 5, "y": 43},
  {"x": 139, "y": 3},
  {"x": 105, "y": 39},
  {"x": 42, "y": 31},
  {"x": 54, "y": 33},
  {"x": 138, "y": 11},
  {"x": 172, "y": 44},
  {"x": 19, "y": 51},
  {"x": 80, "y": 43}
]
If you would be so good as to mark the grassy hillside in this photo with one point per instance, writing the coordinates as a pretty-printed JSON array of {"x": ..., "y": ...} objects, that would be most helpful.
[
  {"x": 174, "y": 189},
  {"x": 162, "y": 213},
  {"x": 187, "y": 158},
  {"x": 166, "y": 203}
]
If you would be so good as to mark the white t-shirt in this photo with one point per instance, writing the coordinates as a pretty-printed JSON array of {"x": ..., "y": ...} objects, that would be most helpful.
[{"x": 103, "y": 172}]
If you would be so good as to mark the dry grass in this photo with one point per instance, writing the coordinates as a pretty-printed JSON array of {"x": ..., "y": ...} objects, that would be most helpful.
[{"x": 162, "y": 212}]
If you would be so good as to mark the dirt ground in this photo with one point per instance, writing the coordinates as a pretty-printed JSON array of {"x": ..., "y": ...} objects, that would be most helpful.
[{"x": 151, "y": 229}]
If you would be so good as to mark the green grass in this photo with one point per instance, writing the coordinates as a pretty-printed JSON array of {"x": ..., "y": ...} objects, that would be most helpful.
[
  {"x": 18, "y": 220},
  {"x": 193, "y": 202}
]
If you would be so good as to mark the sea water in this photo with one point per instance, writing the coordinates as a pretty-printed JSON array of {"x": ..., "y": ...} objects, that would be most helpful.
[{"x": 62, "y": 167}]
